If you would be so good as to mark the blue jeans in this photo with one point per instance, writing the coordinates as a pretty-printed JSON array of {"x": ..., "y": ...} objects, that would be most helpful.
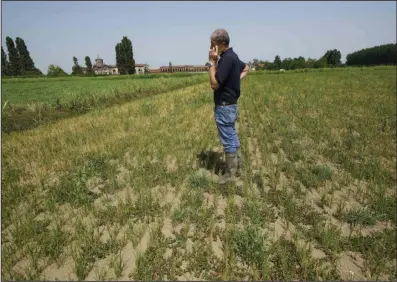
[{"x": 225, "y": 118}]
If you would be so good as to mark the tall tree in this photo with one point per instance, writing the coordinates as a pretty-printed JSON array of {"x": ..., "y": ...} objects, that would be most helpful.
[
  {"x": 13, "y": 56},
  {"x": 4, "y": 63},
  {"x": 277, "y": 62},
  {"x": 76, "y": 69},
  {"x": 125, "y": 56},
  {"x": 26, "y": 62},
  {"x": 333, "y": 57},
  {"x": 88, "y": 64}
]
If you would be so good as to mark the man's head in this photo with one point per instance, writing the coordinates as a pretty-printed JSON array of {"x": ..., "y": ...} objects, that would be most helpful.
[{"x": 220, "y": 38}]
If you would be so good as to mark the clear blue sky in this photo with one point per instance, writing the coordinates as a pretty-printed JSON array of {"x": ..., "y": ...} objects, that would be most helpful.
[{"x": 179, "y": 31}]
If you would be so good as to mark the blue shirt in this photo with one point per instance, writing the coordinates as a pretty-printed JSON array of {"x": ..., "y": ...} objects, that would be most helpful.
[{"x": 228, "y": 77}]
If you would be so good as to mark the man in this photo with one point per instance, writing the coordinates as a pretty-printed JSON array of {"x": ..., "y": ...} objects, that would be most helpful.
[{"x": 225, "y": 76}]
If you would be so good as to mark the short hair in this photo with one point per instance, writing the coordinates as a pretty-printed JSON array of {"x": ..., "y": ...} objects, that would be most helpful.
[{"x": 220, "y": 35}]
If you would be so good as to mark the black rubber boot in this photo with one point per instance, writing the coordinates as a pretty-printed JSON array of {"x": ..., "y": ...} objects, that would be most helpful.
[{"x": 231, "y": 168}]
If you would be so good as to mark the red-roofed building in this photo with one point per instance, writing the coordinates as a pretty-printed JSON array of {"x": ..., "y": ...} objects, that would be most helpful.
[
  {"x": 154, "y": 71},
  {"x": 180, "y": 68}
]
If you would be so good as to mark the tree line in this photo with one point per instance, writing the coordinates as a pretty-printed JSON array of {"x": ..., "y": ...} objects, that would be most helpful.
[
  {"x": 332, "y": 58},
  {"x": 378, "y": 55},
  {"x": 19, "y": 62}
]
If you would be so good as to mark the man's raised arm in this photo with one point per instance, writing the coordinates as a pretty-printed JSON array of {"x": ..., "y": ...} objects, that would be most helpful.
[
  {"x": 213, "y": 56},
  {"x": 220, "y": 74}
]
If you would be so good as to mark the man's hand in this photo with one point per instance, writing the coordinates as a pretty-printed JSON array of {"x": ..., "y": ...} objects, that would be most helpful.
[{"x": 213, "y": 55}]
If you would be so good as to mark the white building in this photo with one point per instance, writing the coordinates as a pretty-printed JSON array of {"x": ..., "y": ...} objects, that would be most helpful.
[{"x": 100, "y": 68}]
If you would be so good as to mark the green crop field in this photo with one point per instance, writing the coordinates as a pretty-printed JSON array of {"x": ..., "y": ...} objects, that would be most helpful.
[
  {"x": 129, "y": 191},
  {"x": 48, "y": 90},
  {"x": 28, "y": 103}
]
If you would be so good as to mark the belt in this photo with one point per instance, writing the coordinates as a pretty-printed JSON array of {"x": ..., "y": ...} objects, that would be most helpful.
[{"x": 225, "y": 104}]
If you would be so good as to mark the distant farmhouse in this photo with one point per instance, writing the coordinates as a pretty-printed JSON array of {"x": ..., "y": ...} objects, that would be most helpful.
[
  {"x": 100, "y": 68},
  {"x": 183, "y": 68}
]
